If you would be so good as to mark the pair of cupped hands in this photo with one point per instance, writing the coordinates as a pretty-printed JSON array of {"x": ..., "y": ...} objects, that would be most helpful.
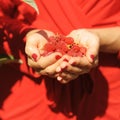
[{"x": 62, "y": 67}]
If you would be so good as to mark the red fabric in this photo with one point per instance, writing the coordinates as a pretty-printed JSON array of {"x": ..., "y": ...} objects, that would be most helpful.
[{"x": 26, "y": 97}]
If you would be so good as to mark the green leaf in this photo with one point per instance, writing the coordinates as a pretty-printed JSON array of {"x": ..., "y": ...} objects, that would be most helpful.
[
  {"x": 5, "y": 59},
  {"x": 33, "y": 4}
]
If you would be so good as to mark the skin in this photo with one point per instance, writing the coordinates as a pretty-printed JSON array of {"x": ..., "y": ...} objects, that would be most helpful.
[
  {"x": 104, "y": 39},
  {"x": 109, "y": 38}
]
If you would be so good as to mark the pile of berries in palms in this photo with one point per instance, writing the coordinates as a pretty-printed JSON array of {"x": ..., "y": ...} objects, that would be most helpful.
[{"x": 64, "y": 45}]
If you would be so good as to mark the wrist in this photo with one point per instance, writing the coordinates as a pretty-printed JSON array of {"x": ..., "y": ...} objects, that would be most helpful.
[{"x": 109, "y": 38}]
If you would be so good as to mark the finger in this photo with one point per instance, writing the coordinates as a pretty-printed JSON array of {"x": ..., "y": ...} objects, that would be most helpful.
[
  {"x": 34, "y": 44},
  {"x": 80, "y": 62},
  {"x": 66, "y": 67},
  {"x": 68, "y": 76},
  {"x": 44, "y": 62},
  {"x": 48, "y": 60},
  {"x": 51, "y": 69},
  {"x": 96, "y": 61},
  {"x": 63, "y": 81},
  {"x": 33, "y": 64},
  {"x": 93, "y": 48}
]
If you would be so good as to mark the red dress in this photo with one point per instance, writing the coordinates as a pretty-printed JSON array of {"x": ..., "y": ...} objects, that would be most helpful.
[{"x": 23, "y": 96}]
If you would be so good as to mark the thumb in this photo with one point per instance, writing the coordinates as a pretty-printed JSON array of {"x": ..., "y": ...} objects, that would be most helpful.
[
  {"x": 92, "y": 42},
  {"x": 34, "y": 46},
  {"x": 92, "y": 51}
]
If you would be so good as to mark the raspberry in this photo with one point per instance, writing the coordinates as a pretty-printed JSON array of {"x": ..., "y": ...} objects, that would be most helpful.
[
  {"x": 69, "y": 40},
  {"x": 64, "y": 45},
  {"x": 49, "y": 47}
]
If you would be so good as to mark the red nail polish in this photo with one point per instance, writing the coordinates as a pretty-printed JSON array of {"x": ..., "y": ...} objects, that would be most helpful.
[
  {"x": 57, "y": 57},
  {"x": 34, "y": 56},
  {"x": 66, "y": 60},
  {"x": 59, "y": 70},
  {"x": 73, "y": 63},
  {"x": 92, "y": 57},
  {"x": 64, "y": 67}
]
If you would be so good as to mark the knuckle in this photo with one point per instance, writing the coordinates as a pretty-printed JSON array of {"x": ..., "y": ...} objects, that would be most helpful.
[{"x": 50, "y": 72}]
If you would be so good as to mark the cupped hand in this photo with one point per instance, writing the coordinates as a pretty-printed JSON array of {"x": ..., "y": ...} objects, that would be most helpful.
[
  {"x": 35, "y": 41},
  {"x": 65, "y": 68},
  {"x": 75, "y": 66}
]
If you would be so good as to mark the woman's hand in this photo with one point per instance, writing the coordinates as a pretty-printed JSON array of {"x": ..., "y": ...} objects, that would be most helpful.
[
  {"x": 35, "y": 41},
  {"x": 65, "y": 68},
  {"x": 74, "y": 66}
]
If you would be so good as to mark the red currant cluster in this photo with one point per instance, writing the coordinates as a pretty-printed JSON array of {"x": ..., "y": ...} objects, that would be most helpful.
[{"x": 64, "y": 45}]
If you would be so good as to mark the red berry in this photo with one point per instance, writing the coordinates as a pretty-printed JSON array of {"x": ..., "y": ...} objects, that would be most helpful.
[
  {"x": 69, "y": 40},
  {"x": 64, "y": 45},
  {"x": 49, "y": 47}
]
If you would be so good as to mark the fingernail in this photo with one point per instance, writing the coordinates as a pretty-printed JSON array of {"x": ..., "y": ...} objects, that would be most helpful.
[
  {"x": 72, "y": 62},
  {"x": 66, "y": 60},
  {"x": 57, "y": 57},
  {"x": 58, "y": 69},
  {"x": 92, "y": 57},
  {"x": 34, "y": 56},
  {"x": 59, "y": 78},
  {"x": 64, "y": 66}
]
